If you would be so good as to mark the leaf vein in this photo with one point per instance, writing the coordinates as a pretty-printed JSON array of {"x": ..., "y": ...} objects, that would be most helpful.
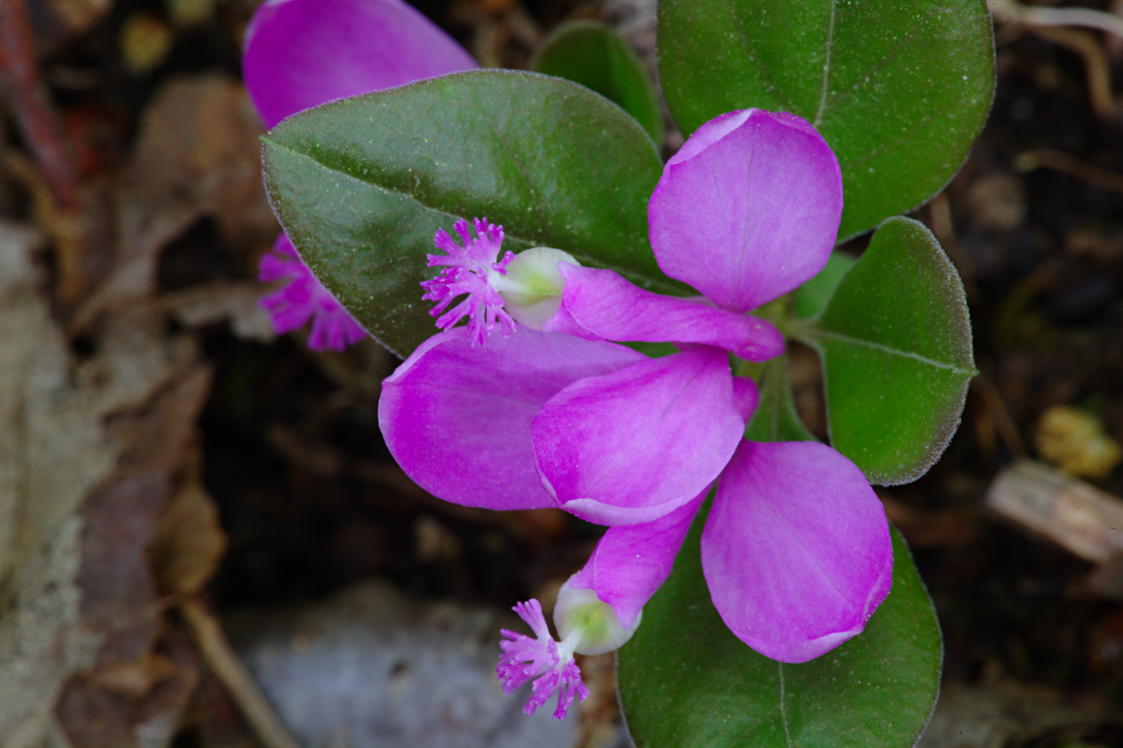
[
  {"x": 754, "y": 59},
  {"x": 783, "y": 707},
  {"x": 826, "y": 67},
  {"x": 643, "y": 280},
  {"x": 887, "y": 58},
  {"x": 841, "y": 337}
]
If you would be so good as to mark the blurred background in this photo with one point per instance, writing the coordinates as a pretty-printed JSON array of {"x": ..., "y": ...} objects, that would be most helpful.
[{"x": 203, "y": 541}]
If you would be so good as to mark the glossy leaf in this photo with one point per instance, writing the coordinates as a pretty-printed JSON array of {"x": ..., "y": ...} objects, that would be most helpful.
[
  {"x": 595, "y": 56},
  {"x": 895, "y": 341},
  {"x": 899, "y": 89},
  {"x": 686, "y": 681},
  {"x": 361, "y": 184}
]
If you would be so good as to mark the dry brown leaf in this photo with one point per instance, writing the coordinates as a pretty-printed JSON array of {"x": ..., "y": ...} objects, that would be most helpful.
[
  {"x": 93, "y": 716},
  {"x": 135, "y": 677},
  {"x": 88, "y": 451},
  {"x": 52, "y": 453},
  {"x": 189, "y": 542},
  {"x": 238, "y": 304},
  {"x": 197, "y": 155},
  {"x": 158, "y": 433},
  {"x": 118, "y": 589}
]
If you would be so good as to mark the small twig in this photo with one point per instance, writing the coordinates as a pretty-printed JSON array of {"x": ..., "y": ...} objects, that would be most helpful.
[
  {"x": 1096, "y": 65},
  {"x": 943, "y": 226},
  {"x": 1003, "y": 424},
  {"x": 1069, "y": 164},
  {"x": 1073, "y": 514},
  {"x": 1055, "y": 25},
  {"x": 221, "y": 658},
  {"x": 1009, "y": 10}
]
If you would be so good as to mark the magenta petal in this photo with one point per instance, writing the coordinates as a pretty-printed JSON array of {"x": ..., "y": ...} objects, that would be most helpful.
[
  {"x": 457, "y": 416},
  {"x": 303, "y": 53},
  {"x": 796, "y": 549},
  {"x": 748, "y": 208},
  {"x": 631, "y": 563},
  {"x": 303, "y": 298},
  {"x": 633, "y": 445},
  {"x": 746, "y": 396},
  {"x": 610, "y": 307}
]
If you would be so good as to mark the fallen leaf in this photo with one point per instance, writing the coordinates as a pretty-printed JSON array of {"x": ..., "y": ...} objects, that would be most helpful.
[
  {"x": 135, "y": 677},
  {"x": 189, "y": 542},
  {"x": 90, "y": 451},
  {"x": 238, "y": 304},
  {"x": 52, "y": 453},
  {"x": 196, "y": 156}
]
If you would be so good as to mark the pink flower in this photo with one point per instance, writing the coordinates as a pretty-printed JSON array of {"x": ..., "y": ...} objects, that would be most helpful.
[
  {"x": 796, "y": 549},
  {"x": 543, "y": 661},
  {"x": 470, "y": 268},
  {"x": 302, "y": 299},
  {"x": 302, "y": 53},
  {"x": 598, "y": 609}
]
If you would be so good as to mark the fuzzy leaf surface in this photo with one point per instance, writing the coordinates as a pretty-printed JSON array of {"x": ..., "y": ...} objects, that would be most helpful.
[{"x": 361, "y": 184}]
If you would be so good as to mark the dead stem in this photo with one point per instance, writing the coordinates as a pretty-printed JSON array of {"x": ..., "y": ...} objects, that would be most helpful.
[
  {"x": 1048, "y": 158},
  {"x": 1054, "y": 25},
  {"x": 224, "y": 662},
  {"x": 1010, "y": 10}
]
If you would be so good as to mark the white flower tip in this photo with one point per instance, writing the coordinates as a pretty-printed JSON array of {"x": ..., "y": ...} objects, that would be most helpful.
[{"x": 587, "y": 624}]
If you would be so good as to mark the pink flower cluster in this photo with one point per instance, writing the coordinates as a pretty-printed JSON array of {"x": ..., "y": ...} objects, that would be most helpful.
[{"x": 795, "y": 548}]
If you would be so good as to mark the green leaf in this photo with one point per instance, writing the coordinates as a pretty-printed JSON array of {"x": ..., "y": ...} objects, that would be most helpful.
[
  {"x": 686, "y": 681},
  {"x": 652, "y": 350},
  {"x": 361, "y": 184},
  {"x": 810, "y": 298},
  {"x": 899, "y": 89},
  {"x": 775, "y": 418},
  {"x": 895, "y": 341},
  {"x": 595, "y": 56}
]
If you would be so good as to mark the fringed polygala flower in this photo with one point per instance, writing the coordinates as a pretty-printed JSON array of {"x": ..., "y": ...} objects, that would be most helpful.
[
  {"x": 598, "y": 610},
  {"x": 796, "y": 548},
  {"x": 472, "y": 267},
  {"x": 302, "y": 298},
  {"x": 547, "y": 664},
  {"x": 302, "y": 53}
]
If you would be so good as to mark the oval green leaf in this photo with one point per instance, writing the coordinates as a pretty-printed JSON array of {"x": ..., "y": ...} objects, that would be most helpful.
[
  {"x": 361, "y": 184},
  {"x": 686, "y": 681},
  {"x": 895, "y": 340},
  {"x": 899, "y": 89},
  {"x": 595, "y": 56}
]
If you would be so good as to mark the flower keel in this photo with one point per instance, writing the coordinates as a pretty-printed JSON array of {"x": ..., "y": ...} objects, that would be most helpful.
[
  {"x": 471, "y": 268},
  {"x": 302, "y": 299}
]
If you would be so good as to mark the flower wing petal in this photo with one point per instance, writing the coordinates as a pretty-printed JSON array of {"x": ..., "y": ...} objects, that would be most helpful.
[
  {"x": 607, "y": 305},
  {"x": 748, "y": 209},
  {"x": 633, "y": 445},
  {"x": 796, "y": 549},
  {"x": 456, "y": 416},
  {"x": 630, "y": 563},
  {"x": 303, "y": 53}
]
